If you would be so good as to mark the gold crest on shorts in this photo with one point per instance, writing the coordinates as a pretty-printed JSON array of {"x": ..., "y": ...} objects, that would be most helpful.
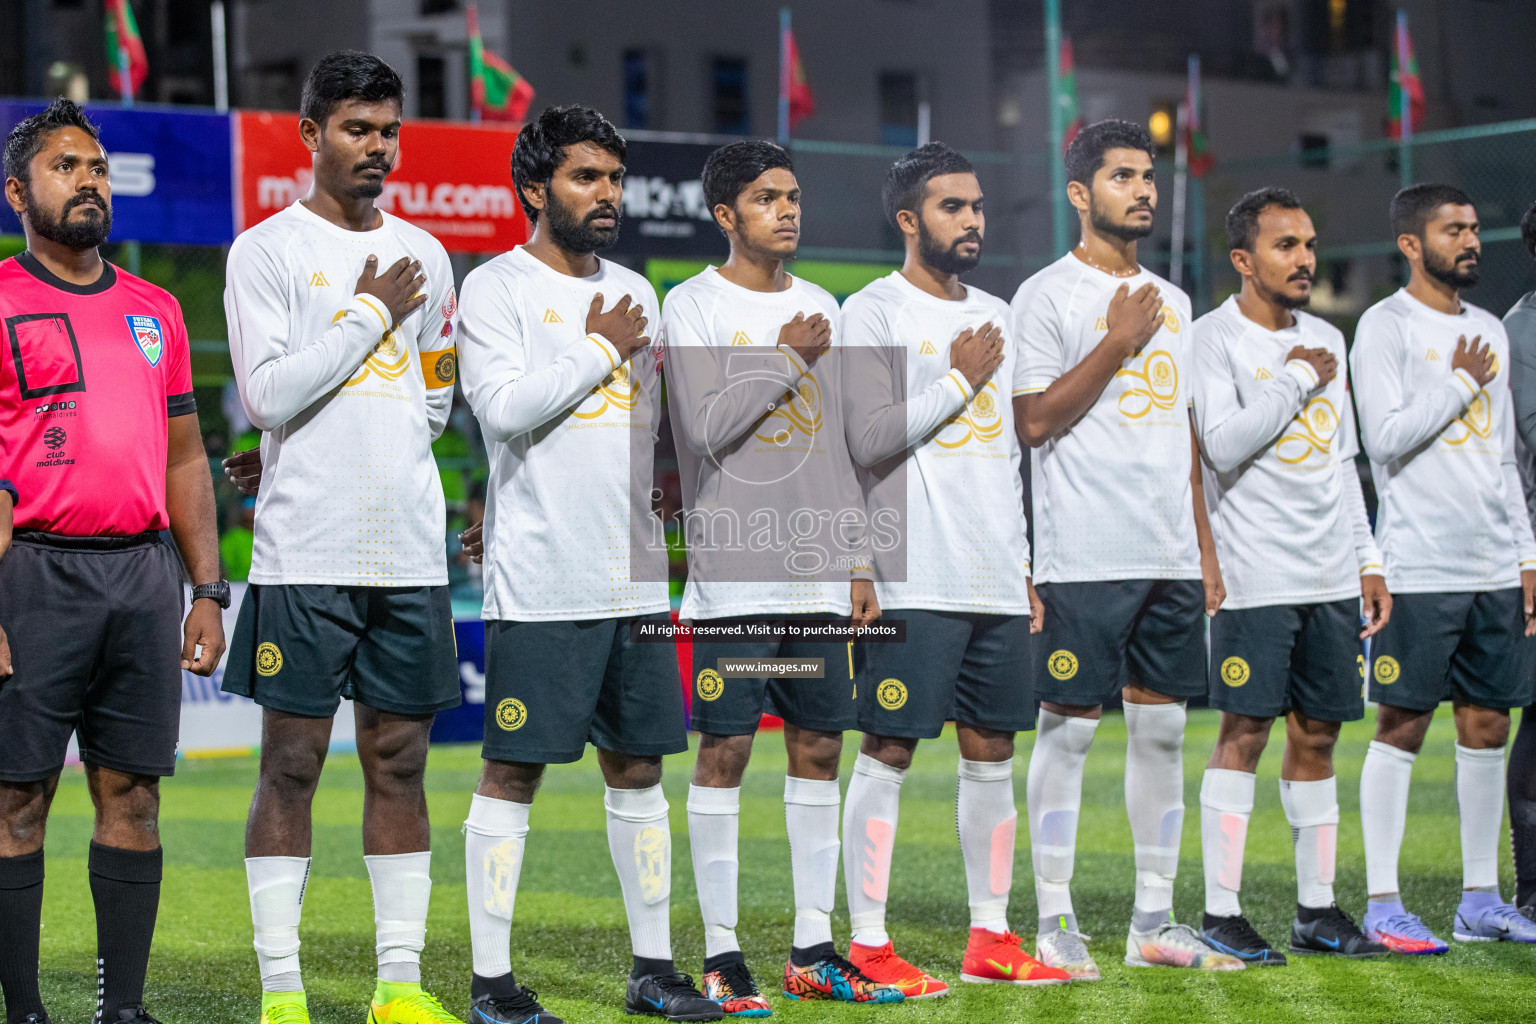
[
  {"x": 892, "y": 694},
  {"x": 269, "y": 660},
  {"x": 1387, "y": 670},
  {"x": 1234, "y": 672},
  {"x": 709, "y": 685},
  {"x": 1062, "y": 665},
  {"x": 511, "y": 715}
]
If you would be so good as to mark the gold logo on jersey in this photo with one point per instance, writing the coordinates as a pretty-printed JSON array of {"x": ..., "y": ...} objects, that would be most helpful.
[
  {"x": 1387, "y": 670},
  {"x": 1157, "y": 387},
  {"x": 980, "y": 421},
  {"x": 1476, "y": 420},
  {"x": 511, "y": 715},
  {"x": 1263, "y": 374},
  {"x": 740, "y": 338},
  {"x": 796, "y": 410},
  {"x": 1062, "y": 665},
  {"x": 269, "y": 660},
  {"x": 618, "y": 390},
  {"x": 1311, "y": 431},
  {"x": 1234, "y": 672},
  {"x": 892, "y": 694},
  {"x": 551, "y": 317},
  {"x": 1100, "y": 323},
  {"x": 389, "y": 359},
  {"x": 709, "y": 685},
  {"x": 927, "y": 349},
  {"x": 1431, "y": 356},
  {"x": 1170, "y": 319},
  {"x": 317, "y": 280}
]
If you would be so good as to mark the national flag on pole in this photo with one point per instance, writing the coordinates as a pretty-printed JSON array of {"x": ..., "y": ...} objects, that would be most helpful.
[
  {"x": 496, "y": 91},
  {"x": 1197, "y": 146},
  {"x": 1405, "y": 92},
  {"x": 1066, "y": 94},
  {"x": 123, "y": 39},
  {"x": 796, "y": 86}
]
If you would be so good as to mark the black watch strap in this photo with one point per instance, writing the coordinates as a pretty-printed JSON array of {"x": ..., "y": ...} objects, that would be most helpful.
[{"x": 213, "y": 591}]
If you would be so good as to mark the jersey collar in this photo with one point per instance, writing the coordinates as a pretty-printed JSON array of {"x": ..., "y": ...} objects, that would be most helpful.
[{"x": 32, "y": 265}]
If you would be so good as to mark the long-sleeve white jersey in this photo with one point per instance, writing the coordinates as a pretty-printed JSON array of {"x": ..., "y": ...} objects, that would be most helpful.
[
  {"x": 773, "y": 513},
  {"x": 1451, "y": 514},
  {"x": 347, "y": 406},
  {"x": 1111, "y": 491},
  {"x": 571, "y": 430},
  {"x": 932, "y": 446},
  {"x": 1281, "y": 486}
]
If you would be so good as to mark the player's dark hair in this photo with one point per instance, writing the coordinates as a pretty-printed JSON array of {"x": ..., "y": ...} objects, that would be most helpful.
[
  {"x": 1413, "y": 207},
  {"x": 540, "y": 147},
  {"x": 1243, "y": 218},
  {"x": 344, "y": 75},
  {"x": 906, "y": 183},
  {"x": 1085, "y": 154},
  {"x": 27, "y": 138},
  {"x": 1528, "y": 230},
  {"x": 731, "y": 168}
]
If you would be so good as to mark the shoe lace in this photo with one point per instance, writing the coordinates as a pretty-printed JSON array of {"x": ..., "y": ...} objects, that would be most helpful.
[
  {"x": 1010, "y": 938},
  {"x": 1183, "y": 934},
  {"x": 524, "y": 1000},
  {"x": 286, "y": 1013},
  {"x": 430, "y": 1008},
  {"x": 1407, "y": 924},
  {"x": 738, "y": 980},
  {"x": 678, "y": 982},
  {"x": 850, "y": 970},
  {"x": 1072, "y": 945},
  {"x": 1244, "y": 933}
]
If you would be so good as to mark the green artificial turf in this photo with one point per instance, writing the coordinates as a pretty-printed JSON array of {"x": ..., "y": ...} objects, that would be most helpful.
[{"x": 570, "y": 940}]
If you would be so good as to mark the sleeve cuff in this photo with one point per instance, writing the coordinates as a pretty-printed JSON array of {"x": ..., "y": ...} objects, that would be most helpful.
[
  {"x": 607, "y": 349},
  {"x": 1373, "y": 569},
  {"x": 798, "y": 365},
  {"x": 966, "y": 391},
  {"x": 1303, "y": 373},
  {"x": 371, "y": 307},
  {"x": 862, "y": 572},
  {"x": 1468, "y": 382},
  {"x": 180, "y": 405},
  {"x": 6, "y": 485}
]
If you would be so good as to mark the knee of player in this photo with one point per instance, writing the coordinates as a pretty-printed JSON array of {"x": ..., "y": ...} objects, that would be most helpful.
[
  {"x": 510, "y": 780},
  {"x": 625, "y": 771},
  {"x": 290, "y": 774},
  {"x": 1241, "y": 743},
  {"x": 26, "y": 817},
  {"x": 132, "y": 809},
  {"x": 1481, "y": 728}
]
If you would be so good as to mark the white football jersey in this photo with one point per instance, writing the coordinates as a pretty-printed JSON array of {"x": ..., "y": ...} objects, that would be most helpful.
[
  {"x": 765, "y": 481},
  {"x": 930, "y": 444},
  {"x": 1451, "y": 513},
  {"x": 347, "y": 406},
  {"x": 1281, "y": 487},
  {"x": 569, "y": 532},
  {"x": 1111, "y": 492}
]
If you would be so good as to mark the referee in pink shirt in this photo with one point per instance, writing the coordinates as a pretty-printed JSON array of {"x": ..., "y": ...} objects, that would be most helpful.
[{"x": 100, "y": 442}]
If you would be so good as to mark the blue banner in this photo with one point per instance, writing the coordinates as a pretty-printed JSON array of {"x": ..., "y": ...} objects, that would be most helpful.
[{"x": 172, "y": 178}]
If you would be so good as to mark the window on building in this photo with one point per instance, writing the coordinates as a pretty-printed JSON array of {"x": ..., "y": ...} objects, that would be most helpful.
[
  {"x": 439, "y": 6},
  {"x": 728, "y": 78},
  {"x": 898, "y": 108},
  {"x": 431, "y": 86},
  {"x": 637, "y": 89}
]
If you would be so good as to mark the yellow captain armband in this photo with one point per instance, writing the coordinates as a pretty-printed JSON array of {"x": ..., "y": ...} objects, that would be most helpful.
[{"x": 440, "y": 369}]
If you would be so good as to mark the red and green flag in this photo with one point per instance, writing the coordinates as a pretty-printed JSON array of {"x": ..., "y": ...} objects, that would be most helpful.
[
  {"x": 796, "y": 85},
  {"x": 1405, "y": 93},
  {"x": 496, "y": 91},
  {"x": 1066, "y": 94},
  {"x": 123, "y": 40},
  {"x": 1197, "y": 146}
]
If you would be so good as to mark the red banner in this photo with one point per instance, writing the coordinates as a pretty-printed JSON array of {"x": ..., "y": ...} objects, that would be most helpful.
[{"x": 453, "y": 180}]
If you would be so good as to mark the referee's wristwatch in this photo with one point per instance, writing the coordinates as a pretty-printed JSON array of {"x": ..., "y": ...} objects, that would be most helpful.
[{"x": 213, "y": 591}]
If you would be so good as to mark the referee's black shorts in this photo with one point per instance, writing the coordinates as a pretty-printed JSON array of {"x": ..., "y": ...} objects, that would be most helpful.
[{"x": 94, "y": 625}]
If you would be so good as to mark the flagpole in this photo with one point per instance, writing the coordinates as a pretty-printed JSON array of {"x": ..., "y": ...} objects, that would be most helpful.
[
  {"x": 220, "y": 58},
  {"x": 1060, "y": 242},
  {"x": 1404, "y": 104},
  {"x": 784, "y": 31},
  {"x": 1180, "y": 190},
  {"x": 124, "y": 79},
  {"x": 1196, "y": 200}
]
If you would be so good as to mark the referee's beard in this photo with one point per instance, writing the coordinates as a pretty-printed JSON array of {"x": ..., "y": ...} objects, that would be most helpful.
[{"x": 86, "y": 231}]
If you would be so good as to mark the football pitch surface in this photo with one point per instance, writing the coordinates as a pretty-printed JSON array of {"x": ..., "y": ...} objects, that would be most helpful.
[{"x": 570, "y": 942}]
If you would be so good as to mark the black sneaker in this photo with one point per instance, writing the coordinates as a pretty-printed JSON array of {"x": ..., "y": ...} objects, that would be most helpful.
[
  {"x": 1234, "y": 935},
  {"x": 36, "y": 1018},
  {"x": 668, "y": 995},
  {"x": 1529, "y": 910},
  {"x": 127, "y": 1015},
  {"x": 1330, "y": 932},
  {"x": 521, "y": 1006}
]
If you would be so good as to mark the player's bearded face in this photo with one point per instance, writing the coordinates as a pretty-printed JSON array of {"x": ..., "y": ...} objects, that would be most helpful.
[
  {"x": 1455, "y": 265},
  {"x": 1284, "y": 257},
  {"x": 950, "y": 223},
  {"x": 1113, "y": 216},
  {"x": 582, "y": 230},
  {"x": 946, "y": 255},
  {"x": 82, "y": 221}
]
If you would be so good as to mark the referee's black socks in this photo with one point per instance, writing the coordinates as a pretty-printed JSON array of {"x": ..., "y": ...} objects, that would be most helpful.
[
  {"x": 21, "y": 919},
  {"x": 125, "y": 886}
]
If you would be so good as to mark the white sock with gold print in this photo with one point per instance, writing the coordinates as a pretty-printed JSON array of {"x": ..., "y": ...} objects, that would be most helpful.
[
  {"x": 641, "y": 846},
  {"x": 494, "y": 837}
]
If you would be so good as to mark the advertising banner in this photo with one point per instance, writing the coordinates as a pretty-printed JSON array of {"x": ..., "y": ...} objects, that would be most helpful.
[
  {"x": 453, "y": 180},
  {"x": 170, "y": 173},
  {"x": 664, "y": 209}
]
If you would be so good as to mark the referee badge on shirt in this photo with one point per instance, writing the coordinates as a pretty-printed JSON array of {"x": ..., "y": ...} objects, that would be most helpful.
[{"x": 146, "y": 334}]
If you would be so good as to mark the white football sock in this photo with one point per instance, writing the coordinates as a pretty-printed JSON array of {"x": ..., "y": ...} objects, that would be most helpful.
[
  {"x": 277, "y": 886},
  {"x": 1480, "y": 798},
  {"x": 1226, "y": 804},
  {"x": 1154, "y": 799},
  {"x": 714, "y": 820},
  {"x": 988, "y": 823},
  {"x": 1384, "y": 780},
  {"x": 402, "y": 890},
  {"x": 869, "y": 826},
  {"x": 640, "y": 843},
  {"x": 1054, "y": 793},
  {"x": 810, "y": 814},
  {"x": 495, "y": 835},
  {"x": 1312, "y": 808}
]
